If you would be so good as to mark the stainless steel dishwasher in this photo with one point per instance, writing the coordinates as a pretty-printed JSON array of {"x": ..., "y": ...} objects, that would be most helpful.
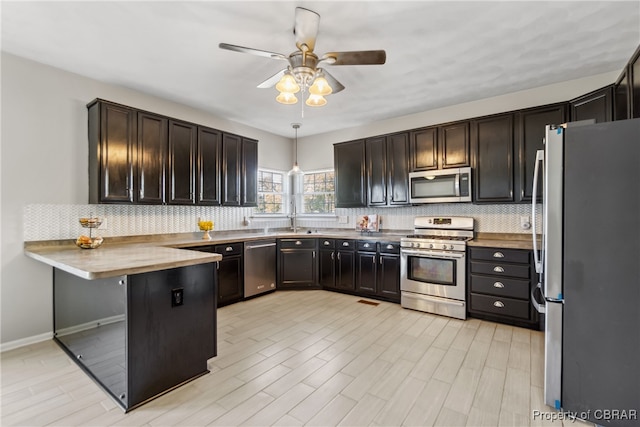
[{"x": 259, "y": 267}]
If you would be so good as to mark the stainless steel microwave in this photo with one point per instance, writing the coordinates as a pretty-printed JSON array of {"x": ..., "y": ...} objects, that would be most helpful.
[{"x": 440, "y": 186}]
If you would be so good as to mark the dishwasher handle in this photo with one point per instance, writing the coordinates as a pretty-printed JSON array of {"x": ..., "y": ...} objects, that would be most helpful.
[{"x": 266, "y": 245}]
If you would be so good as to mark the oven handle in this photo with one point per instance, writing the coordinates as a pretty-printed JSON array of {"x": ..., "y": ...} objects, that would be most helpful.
[{"x": 426, "y": 254}]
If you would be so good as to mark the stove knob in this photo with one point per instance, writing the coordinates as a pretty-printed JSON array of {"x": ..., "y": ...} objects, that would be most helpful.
[
  {"x": 431, "y": 246},
  {"x": 444, "y": 246},
  {"x": 451, "y": 247}
]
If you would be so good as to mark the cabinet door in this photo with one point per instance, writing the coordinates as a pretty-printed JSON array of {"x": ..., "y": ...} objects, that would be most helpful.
[
  {"x": 152, "y": 148},
  {"x": 182, "y": 164},
  {"x": 349, "y": 163},
  {"x": 424, "y": 149},
  {"x": 327, "y": 269},
  {"x": 375, "y": 154},
  {"x": 112, "y": 142},
  {"x": 493, "y": 158},
  {"x": 345, "y": 270},
  {"x": 389, "y": 277},
  {"x": 297, "y": 268},
  {"x": 397, "y": 169},
  {"x": 249, "y": 174},
  {"x": 231, "y": 167},
  {"x": 532, "y": 124},
  {"x": 454, "y": 145},
  {"x": 230, "y": 280},
  {"x": 208, "y": 184},
  {"x": 596, "y": 105},
  {"x": 621, "y": 97},
  {"x": 366, "y": 271}
]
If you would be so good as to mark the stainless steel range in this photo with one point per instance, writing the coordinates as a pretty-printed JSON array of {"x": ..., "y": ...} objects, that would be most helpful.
[{"x": 433, "y": 265}]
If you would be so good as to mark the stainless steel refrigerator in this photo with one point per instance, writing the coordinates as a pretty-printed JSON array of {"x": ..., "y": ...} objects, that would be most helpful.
[{"x": 589, "y": 269}]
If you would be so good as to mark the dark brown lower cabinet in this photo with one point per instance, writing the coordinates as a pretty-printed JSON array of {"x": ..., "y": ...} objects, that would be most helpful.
[
  {"x": 499, "y": 286},
  {"x": 297, "y": 264},
  {"x": 378, "y": 270},
  {"x": 230, "y": 271},
  {"x": 139, "y": 335}
]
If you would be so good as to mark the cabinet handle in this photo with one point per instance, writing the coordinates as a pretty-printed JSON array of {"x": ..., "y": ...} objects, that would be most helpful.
[
  {"x": 345, "y": 243},
  {"x": 389, "y": 246},
  {"x": 338, "y": 256},
  {"x": 373, "y": 260},
  {"x": 332, "y": 256},
  {"x": 228, "y": 249},
  {"x": 498, "y": 269},
  {"x": 326, "y": 243},
  {"x": 498, "y": 285},
  {"x": 380, "y": 260},
  {"x": 366, "y": 245},
  {"x": 498, "y": 304},
  {"x": 314, "y": 254},
  {"x": 498, "y": 255},
  {"x": 120, "y": 282},
  {"x": 298, "y": 242}
]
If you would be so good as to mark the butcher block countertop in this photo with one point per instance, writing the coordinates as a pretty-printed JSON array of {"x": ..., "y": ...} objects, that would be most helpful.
[
  {"x": 120, "y": 256},
  {"x": 502, "y": 240}
]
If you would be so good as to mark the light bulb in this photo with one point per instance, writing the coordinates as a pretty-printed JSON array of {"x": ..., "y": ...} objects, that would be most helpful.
[
  {"x": 320, "y": 86},
  {"x": 288, "y": 84},
  {"x": 286, "y": 98},
  {"x": 316, "y": 101}
]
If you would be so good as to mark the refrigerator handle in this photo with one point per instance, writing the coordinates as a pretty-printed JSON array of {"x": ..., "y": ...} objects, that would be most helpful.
[
  {"x": 534, "y": 195},
  {"x": 539, "y": 307}
]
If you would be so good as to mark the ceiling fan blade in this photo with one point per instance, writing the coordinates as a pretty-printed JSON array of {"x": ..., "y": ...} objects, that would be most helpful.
[
  {"x": 252, "y": 51},
  {"x": 306, "y": 28},
  {"x": 271, "y": 81},
  {"x": 357, "y": 57},
  {"x": 335, "y": 85}
]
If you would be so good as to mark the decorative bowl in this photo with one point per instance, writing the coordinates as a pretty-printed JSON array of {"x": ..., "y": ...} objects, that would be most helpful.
[
  {"x": 86, "y": 242},
  {"x": 90, "y": 222}
]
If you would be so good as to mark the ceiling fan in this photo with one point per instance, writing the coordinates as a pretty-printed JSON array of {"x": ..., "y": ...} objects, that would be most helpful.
[{"x": 303, "y": 72}]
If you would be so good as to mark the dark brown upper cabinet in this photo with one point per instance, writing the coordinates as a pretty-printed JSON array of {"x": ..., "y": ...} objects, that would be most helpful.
[
  {"x": 387, "y": 166},
  {"x": 208, "y": 167},
  {"x": 349, "y": 165},
  {"x": 152, "y": 149},
  {"x": 531, "y": 132},
  {"x": 597, "y": 105},
  {"x": 492, "y": 154},
  {"x": 140, "y": 157},
  {"x": 249, "y": 175},
  {"x": 231, "y": 169},
  {"x": 454, "y": 145},
  {"x": 423, "y": 145},
  {"x": 182, "y": 163},
  {"x": 112, "y": 152}
]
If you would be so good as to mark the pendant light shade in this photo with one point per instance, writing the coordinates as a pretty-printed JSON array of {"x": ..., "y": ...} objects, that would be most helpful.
[{"x": 296, "y": 171}]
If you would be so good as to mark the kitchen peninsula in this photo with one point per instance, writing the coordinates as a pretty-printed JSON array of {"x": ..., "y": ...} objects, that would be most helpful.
[{"x": 138, "y": 318}]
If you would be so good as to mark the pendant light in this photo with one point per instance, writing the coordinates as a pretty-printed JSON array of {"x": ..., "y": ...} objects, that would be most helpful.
[{"x": 295, "y": 171}]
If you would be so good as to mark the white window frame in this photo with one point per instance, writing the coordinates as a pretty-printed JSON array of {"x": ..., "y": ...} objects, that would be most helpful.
[
  {"x": 320, "y": 214},
  {"x": 284, "y": 194}
]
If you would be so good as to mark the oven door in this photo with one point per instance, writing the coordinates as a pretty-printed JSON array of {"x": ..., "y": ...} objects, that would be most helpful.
[{"x": 434, "y": 273}]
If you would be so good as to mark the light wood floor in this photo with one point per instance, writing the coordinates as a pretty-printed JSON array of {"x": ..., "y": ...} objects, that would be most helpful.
[{"x": 312, "y": 358}]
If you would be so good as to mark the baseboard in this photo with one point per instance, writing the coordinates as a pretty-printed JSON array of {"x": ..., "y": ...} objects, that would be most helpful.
[
  {"x": 90, "y": 325},
  {"x": 12, "y": 345}
]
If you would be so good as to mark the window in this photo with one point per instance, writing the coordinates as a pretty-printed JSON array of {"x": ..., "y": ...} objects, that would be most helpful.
[
  {"x": 271, "y": 192},
  {"x": 318, "y": 193}
]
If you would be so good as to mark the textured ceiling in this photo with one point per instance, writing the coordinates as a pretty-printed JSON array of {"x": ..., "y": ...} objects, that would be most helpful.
[{"x": 438, "y": 53}]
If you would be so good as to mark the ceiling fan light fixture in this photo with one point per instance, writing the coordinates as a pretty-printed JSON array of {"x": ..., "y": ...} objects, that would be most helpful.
[
  {"x": 286, "y": 98},
  {"x": 320, "y": 87},
  {"x": 288, "y": 84},
  {"x": 316, "y": 100}
]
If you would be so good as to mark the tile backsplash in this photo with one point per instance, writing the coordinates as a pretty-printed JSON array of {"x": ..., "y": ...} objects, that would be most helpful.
[{"x": 54, "y": 222}]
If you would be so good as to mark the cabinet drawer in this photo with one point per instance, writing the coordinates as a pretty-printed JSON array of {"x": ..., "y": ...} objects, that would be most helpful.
[
  {"x": 500, "y": 255},
  {"x": 390, "y": 247},
  {"x": 345, "y": 244},
  {"x": 499, "y": 286},
  {"x": 501, "y": 269},
  {"x": 230, "y": 249},
  {"x": 327, "y": 243},
  {"x": 298, "y": 243},
  {"x": 500, "y": 306},
  {"x": 366, "y": 246}
]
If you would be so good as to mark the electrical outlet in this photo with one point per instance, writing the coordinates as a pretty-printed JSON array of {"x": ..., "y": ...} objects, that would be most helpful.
[
  {"x": 177, "y": 297},
  {"x": 525, "y": 222}
]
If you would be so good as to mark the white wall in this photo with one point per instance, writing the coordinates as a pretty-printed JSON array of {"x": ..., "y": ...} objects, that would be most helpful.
[
  {"x": 316, "y": 152},
  {"x": 45, "y": 161}
]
